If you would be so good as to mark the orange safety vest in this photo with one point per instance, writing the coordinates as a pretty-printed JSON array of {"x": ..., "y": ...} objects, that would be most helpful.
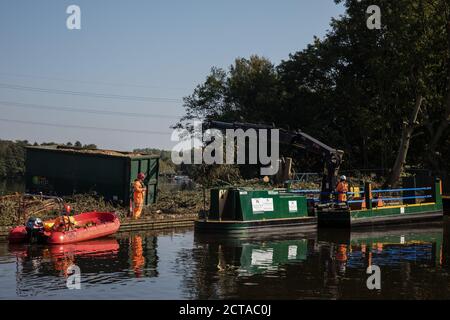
[
  {"x": 138, "y": 189},
  {"x": 342, "y": 189}
]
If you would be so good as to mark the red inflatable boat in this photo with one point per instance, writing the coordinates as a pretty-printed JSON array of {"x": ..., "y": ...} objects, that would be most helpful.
[{"x": 85, "y": 226}]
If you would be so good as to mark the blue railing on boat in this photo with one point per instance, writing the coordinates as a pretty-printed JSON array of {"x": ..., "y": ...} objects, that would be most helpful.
[
  {"x": 360, "y": 192},
  {"x": 392, "y": 199},
  {"x": 315, "y": 191}
]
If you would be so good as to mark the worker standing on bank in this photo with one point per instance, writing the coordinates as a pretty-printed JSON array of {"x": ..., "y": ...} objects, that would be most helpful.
[
  {"x": 342, "y": 189},
  {"x": 139, "y": 191}
]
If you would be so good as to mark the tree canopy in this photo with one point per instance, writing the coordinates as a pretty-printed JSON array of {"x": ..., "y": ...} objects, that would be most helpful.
[{"x": 383, "y": 96}]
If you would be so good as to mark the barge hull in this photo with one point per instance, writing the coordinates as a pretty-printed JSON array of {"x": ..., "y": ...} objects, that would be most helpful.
[
  {"x": 344, "y": 219},
  {"x": 239, "y": 227}
]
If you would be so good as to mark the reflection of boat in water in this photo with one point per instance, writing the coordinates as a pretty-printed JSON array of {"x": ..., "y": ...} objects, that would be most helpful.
[
  {"x": 328, "y": 264},
  {"x": 257, "y": 258},
  {"x": 345, "y": 248},
  {"x": 420, "y": 244},
  {"x": 42, "y": 269},
  {"x": 253, "y": 255},
  {"x": 87, "y": 249},
  {"x": 93, "y": 248}
]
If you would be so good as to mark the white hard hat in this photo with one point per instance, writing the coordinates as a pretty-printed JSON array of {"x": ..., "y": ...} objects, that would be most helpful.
[{"x": 343, "y": 178}]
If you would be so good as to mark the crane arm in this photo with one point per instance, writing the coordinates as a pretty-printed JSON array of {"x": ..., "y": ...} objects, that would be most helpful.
[{"x": 332, "y": 158}]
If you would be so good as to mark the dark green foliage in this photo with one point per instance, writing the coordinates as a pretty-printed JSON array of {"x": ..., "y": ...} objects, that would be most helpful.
[
  {"x": 355, "y": 89},
  {"x": 12, "y": 159}
]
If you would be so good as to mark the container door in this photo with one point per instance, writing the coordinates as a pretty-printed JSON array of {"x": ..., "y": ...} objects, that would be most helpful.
[
  {"x": 153, "y": 171},
  {"x": 150, "y": 168}
]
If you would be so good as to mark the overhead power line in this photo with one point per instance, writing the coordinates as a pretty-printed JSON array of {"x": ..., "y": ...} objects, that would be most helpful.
[
  {"x": 84, "y": 110},
  {"x": 87, "y": 94},
  {"x": 46, "y": 124},
  {"x": 113, "y": 84}
]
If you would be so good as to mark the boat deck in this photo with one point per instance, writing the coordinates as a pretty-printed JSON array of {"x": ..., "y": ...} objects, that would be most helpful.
[{"x": 387, "y": 207}]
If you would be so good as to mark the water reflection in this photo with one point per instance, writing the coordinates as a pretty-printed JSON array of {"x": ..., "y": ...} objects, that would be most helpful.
[
  {"x": 331, "y": 264},
  {"x": 42, "y": 269},
  {"x": 251, "y": 256}
]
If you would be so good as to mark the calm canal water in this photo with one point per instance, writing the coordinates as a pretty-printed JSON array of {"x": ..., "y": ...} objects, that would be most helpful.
[{"x": 177, "y": 264}]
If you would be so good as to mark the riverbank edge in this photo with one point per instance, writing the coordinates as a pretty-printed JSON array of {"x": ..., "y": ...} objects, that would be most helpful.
[{"x": 129, "y": 225}]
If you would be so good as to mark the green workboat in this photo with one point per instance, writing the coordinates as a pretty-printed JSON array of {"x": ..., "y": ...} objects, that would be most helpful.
[
  {"x": 240, "y": 210},
  {"x": 385, "y": 207}
]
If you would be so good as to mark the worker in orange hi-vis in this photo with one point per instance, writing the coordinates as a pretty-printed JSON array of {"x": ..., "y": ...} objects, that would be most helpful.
[
  {"x": 139, "y": 191},
  {"x": 342, "y": 189}
]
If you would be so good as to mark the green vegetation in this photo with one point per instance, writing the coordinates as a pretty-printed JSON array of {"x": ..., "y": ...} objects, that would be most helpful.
[
  {"x": 383, "y": 96},
  {"x": 12, "y": 159}
]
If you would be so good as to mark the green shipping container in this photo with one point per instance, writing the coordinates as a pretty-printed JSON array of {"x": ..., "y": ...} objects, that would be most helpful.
[{"x": 57, "y": 170}]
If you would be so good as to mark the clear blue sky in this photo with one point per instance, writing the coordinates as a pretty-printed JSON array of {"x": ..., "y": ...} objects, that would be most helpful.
[{"x": 136, "y": 56}]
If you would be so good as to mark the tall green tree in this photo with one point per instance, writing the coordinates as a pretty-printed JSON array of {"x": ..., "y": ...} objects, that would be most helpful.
[
  {"x": 248, "y": 91},
  {"x": 381, "y": 95}
]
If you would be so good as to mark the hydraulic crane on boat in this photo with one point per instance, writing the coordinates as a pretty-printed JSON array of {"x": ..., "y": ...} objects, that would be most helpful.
[{"x": 332, "y": 157}]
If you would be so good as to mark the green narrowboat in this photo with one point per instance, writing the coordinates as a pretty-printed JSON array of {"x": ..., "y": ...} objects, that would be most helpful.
[
  {"x": 240, "y": 210},
  {"x": 380, "y": 207}
]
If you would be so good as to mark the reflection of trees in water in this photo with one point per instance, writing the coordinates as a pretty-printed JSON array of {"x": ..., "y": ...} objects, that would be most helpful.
[
  {"x": 335, "y": 269},
  {"x": 209, "y": 270},
  {"x": 446, "y": 245}
]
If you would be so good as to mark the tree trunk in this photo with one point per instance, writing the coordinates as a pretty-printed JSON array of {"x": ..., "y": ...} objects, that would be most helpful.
[{"x": 408, "y": 129}]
